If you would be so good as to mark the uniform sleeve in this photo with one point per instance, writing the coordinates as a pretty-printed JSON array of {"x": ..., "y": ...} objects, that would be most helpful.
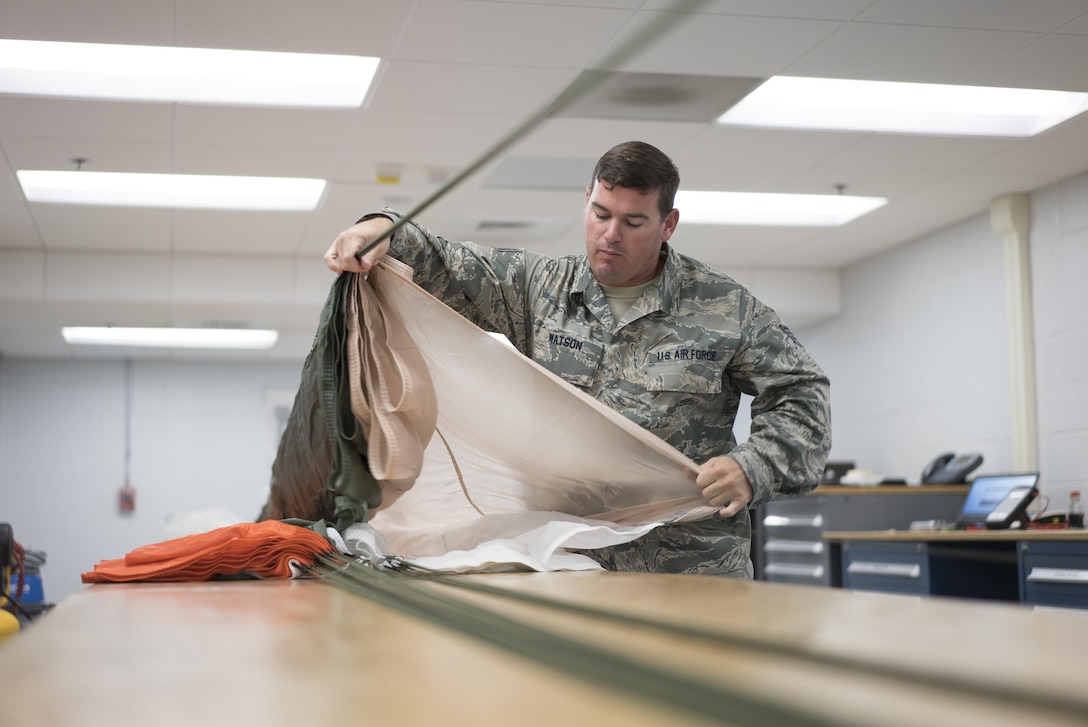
[
  {"x": 790, "y": 436},
  {"x": 485, "y": 285}
]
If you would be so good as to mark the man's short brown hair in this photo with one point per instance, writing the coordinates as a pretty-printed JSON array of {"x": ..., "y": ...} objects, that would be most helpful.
[{"x": 642, "y": 167}]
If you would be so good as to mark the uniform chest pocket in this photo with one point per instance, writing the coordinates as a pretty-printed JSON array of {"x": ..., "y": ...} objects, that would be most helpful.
[
  {"x": 568, "y": 352},
  {"x": 685, "y": 377}
]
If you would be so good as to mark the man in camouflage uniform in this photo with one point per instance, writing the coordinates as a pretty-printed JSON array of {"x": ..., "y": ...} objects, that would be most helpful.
[{"x": 661, "y": 338}]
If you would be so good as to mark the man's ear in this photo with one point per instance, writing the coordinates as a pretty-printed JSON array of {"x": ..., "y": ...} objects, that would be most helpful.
[{"x": 671, "y": 221}]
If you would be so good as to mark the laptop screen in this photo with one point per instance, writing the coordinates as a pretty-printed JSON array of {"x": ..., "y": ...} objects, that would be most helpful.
[{"x": 985, "y": 494}]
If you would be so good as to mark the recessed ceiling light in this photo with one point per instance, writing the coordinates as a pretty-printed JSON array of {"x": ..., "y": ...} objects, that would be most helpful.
[
  {"x": 787, "y": 210},
  {"x": 171, "y": 190},
  {"x": 194, "y": 75},
  {"x": 237, "y": 338},
  {"x": 910, "y": 108}
]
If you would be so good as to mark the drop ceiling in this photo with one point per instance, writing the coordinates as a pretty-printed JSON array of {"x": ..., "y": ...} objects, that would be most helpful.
[{"x": 456, "y": 76}]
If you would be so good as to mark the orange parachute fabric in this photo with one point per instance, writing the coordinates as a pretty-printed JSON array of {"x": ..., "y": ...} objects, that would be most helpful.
[{"x": 265, "y": 549}]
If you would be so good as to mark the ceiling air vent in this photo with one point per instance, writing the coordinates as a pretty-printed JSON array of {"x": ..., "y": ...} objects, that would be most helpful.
[
  {"x": 504, "y": 225},
  {"x": 658, "y": 96}
]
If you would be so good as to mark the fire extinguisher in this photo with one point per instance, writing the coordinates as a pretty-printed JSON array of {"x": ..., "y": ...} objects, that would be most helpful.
[{"x": 127, "y": 501}]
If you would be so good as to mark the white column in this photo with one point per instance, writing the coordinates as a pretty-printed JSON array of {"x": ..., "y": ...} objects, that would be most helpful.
[{"x": 1010, "y": 217}]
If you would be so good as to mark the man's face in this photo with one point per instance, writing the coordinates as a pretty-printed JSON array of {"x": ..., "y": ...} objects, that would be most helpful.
[{"x": 624, "y": 233}]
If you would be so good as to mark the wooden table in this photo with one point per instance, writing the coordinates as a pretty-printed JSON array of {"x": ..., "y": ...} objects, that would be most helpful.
[{"x": 290, "y": 653}]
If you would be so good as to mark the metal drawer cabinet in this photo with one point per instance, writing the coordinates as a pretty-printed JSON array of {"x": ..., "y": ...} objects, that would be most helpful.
[
  {"x": 1054, "y": 573},
  {"x": 887, "y": 567},
  {"x": 793, "y": 550},
  {"x": 788, "y": 544}
]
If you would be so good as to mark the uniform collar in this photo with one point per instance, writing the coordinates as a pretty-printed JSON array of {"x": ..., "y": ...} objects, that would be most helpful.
[{"x": 667, "y": 285}]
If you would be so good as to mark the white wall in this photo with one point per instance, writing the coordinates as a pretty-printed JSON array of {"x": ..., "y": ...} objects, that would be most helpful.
[
  {"x": 919, "y": 363},
  {"x": 918, "y": 360},
  {"x": 1059, "y": 259},
  {"x": 201, "y": 436}
]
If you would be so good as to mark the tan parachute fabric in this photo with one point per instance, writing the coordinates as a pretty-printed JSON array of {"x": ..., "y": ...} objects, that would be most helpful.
[
  {"x": 391, "y": 393},
  {"x": 514, "y": 440}
]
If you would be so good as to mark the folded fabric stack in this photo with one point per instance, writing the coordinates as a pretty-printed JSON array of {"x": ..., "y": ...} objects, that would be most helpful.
[{"x": 269, "y": 549}]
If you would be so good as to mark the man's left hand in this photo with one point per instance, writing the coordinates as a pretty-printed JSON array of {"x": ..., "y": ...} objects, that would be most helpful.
[{"x": 724, "y": 485}]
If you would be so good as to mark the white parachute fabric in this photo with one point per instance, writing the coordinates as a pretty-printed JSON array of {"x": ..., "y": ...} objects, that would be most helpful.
[{"x": 517, "y": 449}]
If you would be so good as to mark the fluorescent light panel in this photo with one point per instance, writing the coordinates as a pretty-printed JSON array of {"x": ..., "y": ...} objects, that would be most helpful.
[
  {"x": 910, "y": 108},
  {"x": 235, "y": 338},
  {"x": 194, "y": 75},
  {"x": 171, "y": 190},
  {"x": 786, "y": 210}
]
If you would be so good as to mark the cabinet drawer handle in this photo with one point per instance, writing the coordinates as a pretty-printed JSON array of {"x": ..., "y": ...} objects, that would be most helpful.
[
  {"x": 794, "y": 546},
  {"x": 876, "y": 568},
  {"x": 1058, "y": 575},
  {"x": 794, "y": 569},
  {"x": 782, "y": 521}
]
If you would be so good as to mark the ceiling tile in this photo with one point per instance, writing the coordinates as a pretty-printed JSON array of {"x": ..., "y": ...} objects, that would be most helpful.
[
  {"x": 860, "y": 180},
  {"x": 232, "y": 279},
  {"x": 1037, "y": 16},
  {"x": 79, "y": 227},
  {"x": 811, "y": 9},
  {"x": 284, "y": 160},
  {"x": 908, "y": 53},
  {"x": 1057, "y": 62},
  {"x": 56, "y": 118},
  {"x": 226, "y": 231},
  {"x": 17, "y": 229},
  {"x": 22, "y": 275},
  {"x": 618, "y": 4},
  {"x": 552, "y": 172},
  {"x": 417, "y": 140},
  {"x": 99, "y": 155},
  {"x": 313, "y": 128},
  {"x": 315, "y": 26},
  {"x": 506, "y": 34},
  {"x": 134, "y": 22},
  {"x": 720, "y": 147},
  {"x": 593, "y": 137},
  {"x": 900, "y": 152},
  {"x": 107, "y": 277},
  {"x": 466, "y": 88},
  {"x": 723, "y": 45},
  {"x": 1042, "y": 161},
  {"x": 1076, "y": 27}
]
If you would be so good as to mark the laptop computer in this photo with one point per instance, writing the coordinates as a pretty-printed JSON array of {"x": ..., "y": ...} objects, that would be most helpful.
[{"x": 987, "y": 491}]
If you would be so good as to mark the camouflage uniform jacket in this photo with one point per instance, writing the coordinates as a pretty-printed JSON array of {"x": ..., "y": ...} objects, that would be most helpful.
[{"x": 676, "y": 364}]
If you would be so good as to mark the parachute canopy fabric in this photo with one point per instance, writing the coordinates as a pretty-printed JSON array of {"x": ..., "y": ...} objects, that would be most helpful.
[{"x": 511, "y": 439}]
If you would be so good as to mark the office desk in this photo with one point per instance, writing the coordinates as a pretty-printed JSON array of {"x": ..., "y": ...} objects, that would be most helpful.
[
  {"x": 285, "y": 653},
  {"x": 1037, "y": 567}
]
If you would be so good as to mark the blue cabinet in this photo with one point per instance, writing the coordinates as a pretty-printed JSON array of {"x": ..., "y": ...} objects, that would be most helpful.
[
  {"x": 1054, "y": 573},
  {"x": 985, "y": 570},
  {"x": 887, "y": 567},
  {"x": 1036, "y": 569}
]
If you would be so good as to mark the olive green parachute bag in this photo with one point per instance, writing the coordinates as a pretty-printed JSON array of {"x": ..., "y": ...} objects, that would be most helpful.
[{"x": 320, "y": 470}]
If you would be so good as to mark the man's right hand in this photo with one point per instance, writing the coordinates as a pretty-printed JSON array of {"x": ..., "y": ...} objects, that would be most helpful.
[{"x": 341, "y": 255}]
